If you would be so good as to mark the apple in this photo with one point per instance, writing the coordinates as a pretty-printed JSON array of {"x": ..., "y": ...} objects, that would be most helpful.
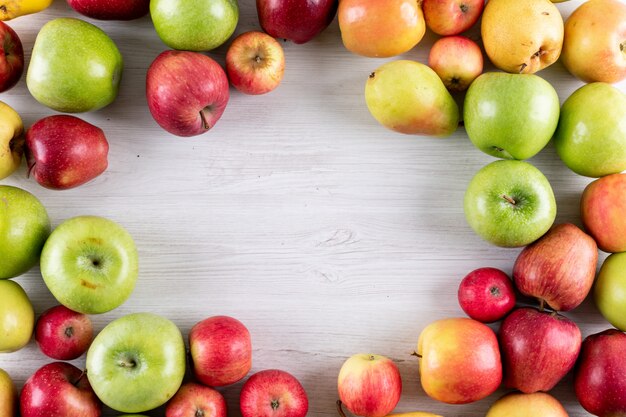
[
  {"x": 8, "y": 395},
  {"x": 517, "y": 404},
  {"x": 221, "y": 350},
  {"x": 509, "y": 203},
  {"x": 193, "y": 400},
  {"x": 11, "y": 57},
  {"x": 486, "y": 294},
  {"x": 459, "y": 360},
  {"x": 17, "y": 317},
  {"x": 90, "y": 264},
  {"x": 381, "y": 29},
  {"x": 510, "y": 116},
  {"x": 610, "y": 290},
  {"x": 255, "y": 63},
  {"x": 296, "y": 20},
  {"x": 64, "y": 151},
  {"x": 25, "y": 228},
  {"x": 187, "y": 92},
  {"x": 111, "y": 10},
  {"x": 11, "y": 140},
  {"x": 63, "y": 334},
  {"x": 59, "y": 389},
  {"x": 600, "y": 374},
  {"x": 451, "y": 17},
  {"x": 408, "y": 97},
  {"x": 17, "y": 8},
  {"x": 409, "y": 414},
  {"x": 558, "y": 268},
  {"x": 369, "y": 385},
  {"x": 137, "y": 362},
  {"x": 591, "y": 135},
  {"x": 602, "y": 208},
  {"x": 457, "y": 60},
  {"x": 194, "y": 25},
  {"x": 538, "y": 348},
  {"x": 595, "y": 41},
  {"x": 74, "y": 67},
  {"x": 273, "y": 393},
  {"x": 522, "y": 37}
]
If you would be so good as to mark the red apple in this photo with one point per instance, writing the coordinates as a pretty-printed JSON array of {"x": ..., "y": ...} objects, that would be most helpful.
[
  {"x": 187, "y": 92},
  {"x": 193, "y": 400},
  {"x": 558, "y": 268},
  {"x": 64, "y": 151},
  {"x": 369, "y": 385},
  {"x": 255, "y": 63},
  {"x": 538, "y": 349},
  {"x": 296, "y": 20},
  {"x": 457, "y": 60},
  {"x": 221, "y": 350},
  {"x": 486, "y": 294},
  {"x": 11, "y": 57},
  {"x": 63, "y": 334},
  {"x": 273, "y": 393},
  {"x": 451, "y": 17},
  {"x": 59, "y": 389},
  {"x": 111, "y": 9},
  {"x": 602, "y": 208},
  {"x": 600, "y": 374}
]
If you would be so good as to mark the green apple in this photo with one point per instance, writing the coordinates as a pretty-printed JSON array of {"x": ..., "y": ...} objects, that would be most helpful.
[
  {"x": 75, "y": 67},
  {"x": 194, "y": 25},
  {"x": 90, "y": 264},
  {"x": 8, "y": 395},
  {"x": 610, "y": 290},
  {"x": 591, "y": 136},
  {"x": 137, "y": 362},
  {"x": 17, "y": 317},
  {"x": 24, "y": 228},
  {"x": 409, "y": 97},
  {"x": 510, "y": 116},
  {"x": 510, "y": 203}
]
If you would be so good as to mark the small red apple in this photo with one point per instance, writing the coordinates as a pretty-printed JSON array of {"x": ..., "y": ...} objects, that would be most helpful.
[
  {"x": 273, "y": 393},
  {"x": 451, "y": 17},
  {"x": 62, "y": 333},
  {"x": 457, "y": 60},
  {"x": 111, "y": 9},
  {"x": 255, "y": 63},
  {"x": 193, "y": 400},
  {"x": 486, "y": 294},
  {"x": 11, "y": 57},
  {"x": 295, "y": 20}
]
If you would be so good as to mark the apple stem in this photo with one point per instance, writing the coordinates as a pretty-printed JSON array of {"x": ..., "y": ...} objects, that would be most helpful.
[
  {"x": 541, "y": 304},
  {"x": 522, "y": 67},
  {"x": 205, "y": 123},
  {"x": 340, "y": 409},
  {"x": 416, "y": 355},
  {"x": 82, "y": 375},
  {"x": 509, "y": 199},
  {"x": 372, "y": 75}
]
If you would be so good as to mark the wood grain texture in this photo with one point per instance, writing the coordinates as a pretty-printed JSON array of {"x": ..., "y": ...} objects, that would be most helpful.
[{"x": 324, "y": 233}]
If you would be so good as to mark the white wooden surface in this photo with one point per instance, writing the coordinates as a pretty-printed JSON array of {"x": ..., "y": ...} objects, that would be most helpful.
[{"x": 326, "y": 234}]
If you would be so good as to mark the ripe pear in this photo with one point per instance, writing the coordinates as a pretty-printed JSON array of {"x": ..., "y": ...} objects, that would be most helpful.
[
  {"x": 522, "y": 36},
  {"x": 10, "y": 9},
  {"x": 8, "y": 395}
]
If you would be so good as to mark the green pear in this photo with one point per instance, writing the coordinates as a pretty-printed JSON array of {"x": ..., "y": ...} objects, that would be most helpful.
[
  {"x": 75, "y": 67},
  {"x": 17, "y": 317},
  {"x": 409, "y": 97},
  {"x": 591, "y": 136}
]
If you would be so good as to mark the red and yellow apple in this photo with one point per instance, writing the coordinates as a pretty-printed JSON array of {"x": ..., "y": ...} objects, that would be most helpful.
[
  {"x": 517, "y": 404},
  {"x": 11, "y": 140},
  {"x": 602, "y": 209},
  {"x": 457, "y": 60},
  {"x": 451, "y": 17}
]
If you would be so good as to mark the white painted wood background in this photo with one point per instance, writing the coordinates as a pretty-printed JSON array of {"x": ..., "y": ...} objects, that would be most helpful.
[{"x": 323, "y": 232}]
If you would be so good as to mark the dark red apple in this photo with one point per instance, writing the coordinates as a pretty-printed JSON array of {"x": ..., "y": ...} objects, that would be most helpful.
[
  {"x": 296, "y": 20},
  {"x": 111, "y": 9},
  {"x": 187, "y": 92},
  {"x": 64, "y": 151},
  {"x": 62, "y": 333},
  {"x": 558, "y": 268},
  {"x": 600, "y": 374},
  {"x": 538, "y": 349},
  {"x": 273, "y": 393},
  {"x": 221, "y": 350},
  {"x": 59, "y": 389},
  {"x": 11, "y": 57},
  {"x": 193, "y": 400},
  {"x": 486, "y": 294},
  {"x": 451, "y": 17}
]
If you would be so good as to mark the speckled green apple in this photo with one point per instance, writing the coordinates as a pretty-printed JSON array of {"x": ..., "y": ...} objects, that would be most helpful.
[
  {"x": 137, "y": 362},
  {"x": 610, "y": 290},
  {"x": 17, "y": 317},
  {"x": 75, "y": 67}
]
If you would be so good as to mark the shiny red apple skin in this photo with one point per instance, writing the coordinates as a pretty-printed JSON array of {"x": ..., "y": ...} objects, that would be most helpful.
[
  {"x": 64, "y": 151},
  {"x": 558, "y": 268},
  {"x": 602, "y": 210},
  {"x": 295, "y": 20},
  {"x": 193, "y": 400},
  {"x": 255, "y": 63},
  {"x": 600, "y": 374},
  {"x": 538, "y": 349},
  {"x": 63, "y": 334},
  {"x": 486, "y": 294},
  {"x": 111, "y": 9},
  {"x": 221, "y": 350},
  {"x": 457, "y": 60},
  {"x": 59, "y": 389},
  {"x": 187, "y": 92},
  {"x": 273, "y": 393},
  {"x": 451, "y": 17},
  {"x": 11, "y": 57}
]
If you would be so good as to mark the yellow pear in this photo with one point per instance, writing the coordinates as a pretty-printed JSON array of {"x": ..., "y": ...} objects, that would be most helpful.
[
  {"x": 11, "y": 140},
  {"x": 10, "y": 9},
  {"x": 522, "y": 36},
  {"x": 527, "y": 405},
  {"x": 8, "y": 395}
]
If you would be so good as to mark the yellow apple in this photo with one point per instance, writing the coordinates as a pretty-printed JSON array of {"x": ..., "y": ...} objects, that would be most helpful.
[
  {"x": 8, "y": 395},
  {"x": 11, "y": 140},
  {"x": 527, "y": 405},
  {"x": 17, "y": 317}
]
